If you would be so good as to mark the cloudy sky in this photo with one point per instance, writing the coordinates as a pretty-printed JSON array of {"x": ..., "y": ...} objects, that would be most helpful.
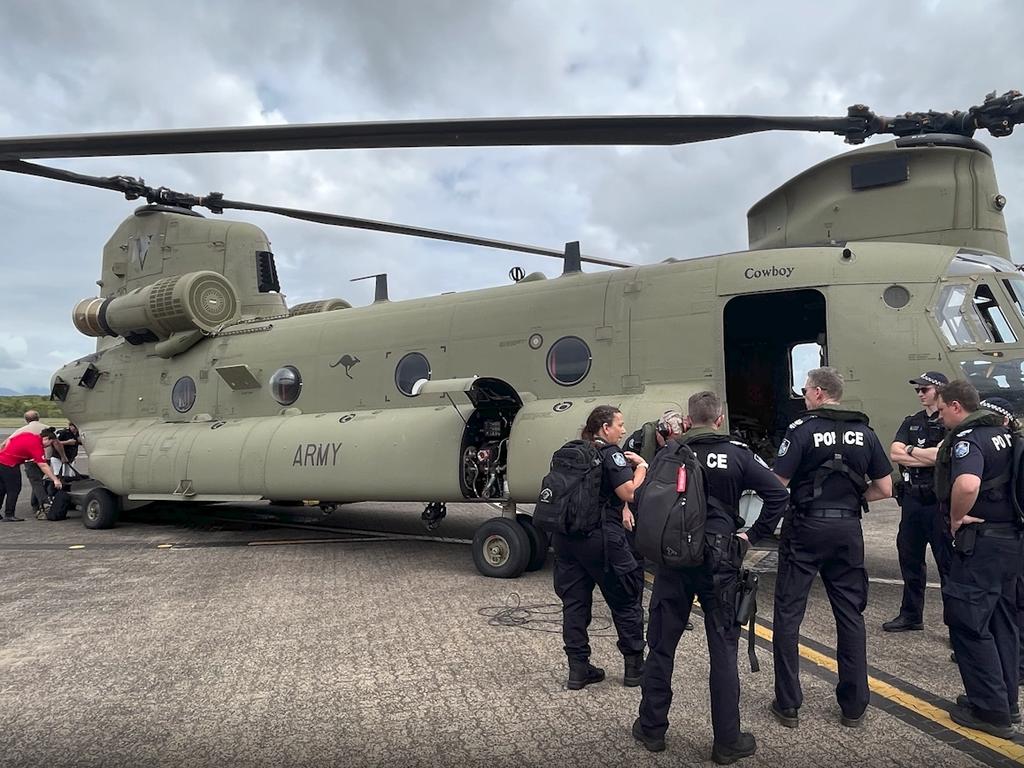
[{"x": 72, "y": 67}]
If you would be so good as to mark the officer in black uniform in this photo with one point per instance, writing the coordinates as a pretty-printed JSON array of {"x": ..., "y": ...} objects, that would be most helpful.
[
  {"x": 972, "y": 479},
  {"x": 729, "y": 468},
  {"x": 921, "y": 524},
  {"x": 1004, "y": 408},
  {"x": 824, "y": 458},
  {"x": 603, "y": 558}
]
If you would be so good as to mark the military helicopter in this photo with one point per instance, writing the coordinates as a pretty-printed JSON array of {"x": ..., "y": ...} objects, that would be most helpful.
[{"x": 206, "y": 387}]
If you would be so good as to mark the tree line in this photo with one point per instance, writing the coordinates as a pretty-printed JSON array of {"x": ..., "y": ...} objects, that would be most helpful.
[{"x": 16, "y": 405}]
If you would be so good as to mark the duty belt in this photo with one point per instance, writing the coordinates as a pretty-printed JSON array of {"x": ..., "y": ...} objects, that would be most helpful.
[
  {"x": 830, "y": 513},
  {"x": 999, "y": 530}
]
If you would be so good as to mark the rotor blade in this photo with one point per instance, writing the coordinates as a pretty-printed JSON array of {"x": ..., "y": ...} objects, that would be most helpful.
[
  {"x": 485, "y": 132},
  {"x": 135, "y": 188},
  {"x": 998, "y": 115},
  {"x": 403, "y": 229}
]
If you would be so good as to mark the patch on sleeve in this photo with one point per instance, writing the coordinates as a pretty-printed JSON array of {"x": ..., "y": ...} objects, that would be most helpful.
[
  {"x": 784, "y": 447},
  {"x": 961, "y": 449},
  {"x": 619, "y": 459}
]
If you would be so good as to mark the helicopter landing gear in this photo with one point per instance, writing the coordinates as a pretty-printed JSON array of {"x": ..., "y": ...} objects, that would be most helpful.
[
  {"x": 100, "y": 509},
  {"x": 539, "y": 542},
  {"x": 433, "y": 514},
  {"x": 501, "y": 548}
]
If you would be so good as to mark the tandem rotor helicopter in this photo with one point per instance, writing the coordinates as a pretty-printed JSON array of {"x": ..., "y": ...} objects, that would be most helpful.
[{"x": 206, "y": 387}]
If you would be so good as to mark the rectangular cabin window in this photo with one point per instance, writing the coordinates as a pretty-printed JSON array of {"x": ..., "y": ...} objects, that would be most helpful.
[
  {"x": 950, "y": 314},
  {"x": 1015, "y": 288},
  {"x": 992, "y": 315},
  {"x": 803, "y": 358}
]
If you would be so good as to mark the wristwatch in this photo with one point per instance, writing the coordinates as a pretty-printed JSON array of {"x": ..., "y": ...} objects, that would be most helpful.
[{"x": 910, "y": 450}]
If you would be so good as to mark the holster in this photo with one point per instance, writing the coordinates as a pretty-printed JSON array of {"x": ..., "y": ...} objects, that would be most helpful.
[
  {"x": 899, "y": 488},
  {"x": 965, "y": 538}
]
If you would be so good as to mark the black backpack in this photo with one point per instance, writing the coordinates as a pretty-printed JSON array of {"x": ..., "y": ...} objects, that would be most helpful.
[
  {"x": 60, "y": 501},
  {"x": 570, "y": 494},
  {"x": 669, "y": 522}
]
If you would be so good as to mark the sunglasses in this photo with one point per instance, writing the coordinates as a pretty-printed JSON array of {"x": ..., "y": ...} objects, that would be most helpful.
[
  {"x": 919, "y": 390},
  {"x": 803, "y": 390}
]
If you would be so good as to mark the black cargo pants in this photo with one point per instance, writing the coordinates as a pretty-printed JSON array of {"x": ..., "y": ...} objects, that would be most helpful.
[
  {"x": 980, "y": 599},
  {"x": 35, "y": 479},
  {"x": 835, "y": 548},
  {"x": 921, "y": 526},
  {"x": 580, "y": 564},
  {"x": 715, "y": 584}
]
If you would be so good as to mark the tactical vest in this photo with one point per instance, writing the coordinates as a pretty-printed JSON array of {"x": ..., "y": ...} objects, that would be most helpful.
[
  {"x": 934, "y": 434},
  {"x": 944, "y": 458},
  {"x": 808, "y": 491}
]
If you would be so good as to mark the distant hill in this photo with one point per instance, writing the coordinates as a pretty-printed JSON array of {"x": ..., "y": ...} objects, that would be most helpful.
[{"x": 4, "y": 392}]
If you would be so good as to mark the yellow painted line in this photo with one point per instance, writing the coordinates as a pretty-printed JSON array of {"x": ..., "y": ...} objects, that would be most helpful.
[{"x": 906, "y": 700}]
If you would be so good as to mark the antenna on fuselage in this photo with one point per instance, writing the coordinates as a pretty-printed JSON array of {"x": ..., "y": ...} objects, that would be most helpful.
[
  {"x": 572, "y": 261},
  {"x": 380, "y": 290}
]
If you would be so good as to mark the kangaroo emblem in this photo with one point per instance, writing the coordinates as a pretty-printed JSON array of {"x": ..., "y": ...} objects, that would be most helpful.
[{"x": 348, "y": 361}]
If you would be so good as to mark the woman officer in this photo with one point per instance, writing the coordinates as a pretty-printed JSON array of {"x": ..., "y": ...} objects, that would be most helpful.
[{"x": 602, "y": 557}]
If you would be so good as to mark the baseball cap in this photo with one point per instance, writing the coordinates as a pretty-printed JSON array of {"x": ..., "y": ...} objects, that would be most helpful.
[
  {"x": 998, "y": 405},
  {"x": 930, "y": 378}
]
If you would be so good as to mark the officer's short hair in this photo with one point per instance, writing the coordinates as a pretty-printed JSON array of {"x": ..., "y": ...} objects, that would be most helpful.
[
  {"x": 960, "y": 391},
  {"x": 829, "y": 379},
  {"x": 704, "y": 407}
]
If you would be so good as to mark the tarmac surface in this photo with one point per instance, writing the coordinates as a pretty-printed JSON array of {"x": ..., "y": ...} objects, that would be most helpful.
[{"x": 193, "y": 640}]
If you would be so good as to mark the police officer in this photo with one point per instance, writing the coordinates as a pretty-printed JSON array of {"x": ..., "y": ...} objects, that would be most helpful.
[
  {"x": 824, "y": 459},
  {"x": 913, "y": 449},
  {"x": 1004, "y": 408},
  {"x": 972, "y": 479},
  {"x": 729, "y": 468},
  {"x": 602, "y": 558}
]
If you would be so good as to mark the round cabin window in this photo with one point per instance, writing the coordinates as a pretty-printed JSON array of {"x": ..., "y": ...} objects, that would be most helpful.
[
  {"x": 409, "y": 370},
  {"x": 569, "y": 360},
  {"x": 183, "y": 394},
  {"x": 286, "y": 385},
  {"x": 896, "y": 296}
]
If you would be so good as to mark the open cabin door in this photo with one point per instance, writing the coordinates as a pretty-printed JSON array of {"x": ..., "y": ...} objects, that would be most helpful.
[{"x": 771, "y": 341}]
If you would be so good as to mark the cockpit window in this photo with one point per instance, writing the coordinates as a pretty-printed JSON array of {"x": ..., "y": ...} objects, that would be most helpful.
[
  {"x": 996, "y": 326},
  {"x": 951, "y": 316}
]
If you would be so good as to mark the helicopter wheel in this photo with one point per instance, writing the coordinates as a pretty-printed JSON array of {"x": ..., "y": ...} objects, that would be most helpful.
[
  {"x": 100, "y": 509},
  {"x": 501, "y": 548},
  {"x": 539, "y": 543}
]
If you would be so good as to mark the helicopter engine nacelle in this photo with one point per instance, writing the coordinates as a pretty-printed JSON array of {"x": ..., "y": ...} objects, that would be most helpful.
[{"x": 194, "y": 301}]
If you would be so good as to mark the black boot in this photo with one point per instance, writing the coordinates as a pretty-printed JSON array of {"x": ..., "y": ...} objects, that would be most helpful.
[
  {"x": 651, "y": 743},
  {"x": 583, "y": 673},
  {"x": 633, "y": 670},
  {"x": 725, "y": 754}
]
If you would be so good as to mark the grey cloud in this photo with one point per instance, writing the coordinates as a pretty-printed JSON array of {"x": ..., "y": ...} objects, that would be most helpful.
[{"x": 73, "y": 67}]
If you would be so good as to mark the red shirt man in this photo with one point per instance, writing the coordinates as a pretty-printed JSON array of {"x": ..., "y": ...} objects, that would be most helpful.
[{"x": 19, "y": 449}]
